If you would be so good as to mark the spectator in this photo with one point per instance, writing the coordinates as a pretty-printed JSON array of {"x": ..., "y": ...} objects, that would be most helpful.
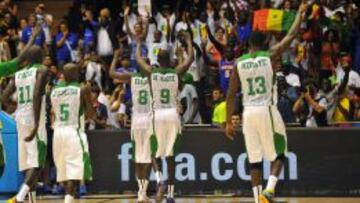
[
  {"x": 93, "y": 69},
  {"x": 219, "y": 108},
  {"x": 47, "y": 21},
  {"x": 101, "y": 111},
  {"x": 236, "y": 120},
  {"x": 315, "y": 105},
  {"x": 5, "y": 54},
  {"x": 90, "y": 26},
  {"x": 287, "y": 97},
  {"x": 66, "y": 45},
  {"x": 329, "y": 51},
  {"x": 27, "y": 32},
  {"x": 189, "y": 101}
]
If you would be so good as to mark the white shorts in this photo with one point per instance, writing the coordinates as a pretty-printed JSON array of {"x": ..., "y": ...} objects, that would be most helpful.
[
  {"x": 264, "y": 132},
  {"x": 71, "y": 157},
  {"x": 167, "y": 131},
  {"x": 143, "y": 138},
  {"x": 31, "y": 154}
]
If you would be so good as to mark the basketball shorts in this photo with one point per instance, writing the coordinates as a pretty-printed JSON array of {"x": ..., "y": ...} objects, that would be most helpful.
[
  {"x": 71, "y": 154},
  {"x": 167, "y": 131},
  {"x": 264, "y": 132},
  {"x": 143, "y": 138},
  {"x": 31, "y": 154}
]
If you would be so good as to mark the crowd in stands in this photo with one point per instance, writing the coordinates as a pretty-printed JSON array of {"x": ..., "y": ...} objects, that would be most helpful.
[{"x": 318, "y": 76}]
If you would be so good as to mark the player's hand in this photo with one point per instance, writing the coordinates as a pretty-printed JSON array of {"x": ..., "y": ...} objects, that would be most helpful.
[
  {"x": 36, "y": 31},
  {"x": 32, "y": 134},
  {"x": 127, "y": 10},
  {"x": 230, "y": 131},
  {"x": 303, "y": 7}
]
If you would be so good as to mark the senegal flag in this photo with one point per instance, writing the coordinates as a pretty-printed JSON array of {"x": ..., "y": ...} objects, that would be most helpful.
[{"x": 273, "y": 20}]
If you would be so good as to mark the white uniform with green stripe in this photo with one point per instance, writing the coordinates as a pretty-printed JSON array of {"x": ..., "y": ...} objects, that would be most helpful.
[
  {"x": 142, "y": 130},
  {"x": 31, "y": 154},
  {"x": 164, "y": 86},
  {"x": 70, "y": 146},
  {"x": 263, "y": 127}
]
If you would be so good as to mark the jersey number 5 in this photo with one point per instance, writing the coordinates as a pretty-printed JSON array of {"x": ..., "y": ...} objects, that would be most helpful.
[
  {"x": 64, "y": 112},
  {"x": 256, "y": 85}
]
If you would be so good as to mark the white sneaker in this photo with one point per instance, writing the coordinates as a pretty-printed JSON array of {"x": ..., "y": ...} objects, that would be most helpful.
[{"x": 143, "y": 198}]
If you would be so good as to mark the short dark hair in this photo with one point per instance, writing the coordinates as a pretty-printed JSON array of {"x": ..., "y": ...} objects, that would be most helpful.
[
  {"x": 257, "y": 39},
  {"x": 218, "y": 89}
]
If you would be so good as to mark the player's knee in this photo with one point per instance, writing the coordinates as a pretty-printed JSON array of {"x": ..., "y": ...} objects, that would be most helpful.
[
  {"x": 256, "y": 166},
  {"x": 281, "y": 158}
]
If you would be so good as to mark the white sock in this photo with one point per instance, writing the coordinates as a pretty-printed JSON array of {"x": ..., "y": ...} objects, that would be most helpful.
[
  {"x": 271, "y": 183},
  {"x": 158, "y": 177},
  {"x": 140, "y": 185},
  {"x": 145, "y": 186},
  {"x": 257, "y": 190},
  {"x": 32, "y": 197},
  {"x": 24, "y": 190},
  {"x": 68, "y": 199},
  {"x": 170, "y": 193}
]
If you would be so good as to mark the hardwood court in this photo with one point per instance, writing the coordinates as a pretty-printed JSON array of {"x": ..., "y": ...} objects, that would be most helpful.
[{"x": 117, "y": 199}]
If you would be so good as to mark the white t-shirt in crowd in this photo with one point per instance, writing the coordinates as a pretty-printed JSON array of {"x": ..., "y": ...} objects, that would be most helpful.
[
  {"x": 93, "y": 72},
  {"x": 189, "y": 93}
]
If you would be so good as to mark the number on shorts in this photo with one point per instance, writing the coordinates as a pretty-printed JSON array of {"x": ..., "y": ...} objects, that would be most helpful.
[
  {"x": 143, "y": 97},
  {"x": 165, "y": 96},
  {"x": 259, "y": 82},
  {"x": 64, "y": 112},
  {"x": 24, "y": 94}
]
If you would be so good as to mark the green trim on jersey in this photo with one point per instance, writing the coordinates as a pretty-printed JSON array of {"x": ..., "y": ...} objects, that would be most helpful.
[
  {"x": 133, "y": 149},
  {"x": 42, "y": 151},
  {"x": 253, "y": 55},
  {"x": 86, "y": 160},
  {"x": 9, "y": 67},
  {"x": 163, "y": 70},
  {"x": 279, "y": 139},
  {"x": 65, "y": 84},
  {"x": 2, "y": 156},
  {"x": 153, "y": 145},
  {"x": 177, "y": 144}
]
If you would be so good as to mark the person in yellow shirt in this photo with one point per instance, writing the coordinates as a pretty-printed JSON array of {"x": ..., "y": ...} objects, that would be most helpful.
[
  {"x": 342, "y": 111},
  {"x": 219, "y": 109}
]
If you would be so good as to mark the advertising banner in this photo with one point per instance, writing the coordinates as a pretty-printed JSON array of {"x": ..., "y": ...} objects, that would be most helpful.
[{"x": 319, "y": 162}]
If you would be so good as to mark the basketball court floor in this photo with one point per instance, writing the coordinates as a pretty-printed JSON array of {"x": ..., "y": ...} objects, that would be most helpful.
[{"x": 124, "y": 199}]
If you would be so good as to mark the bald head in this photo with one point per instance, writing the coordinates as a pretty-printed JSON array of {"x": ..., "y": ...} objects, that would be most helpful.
[
  {"x": 164, "y": 58},
  {"x": 71, "y": 72},
  {"x": 34, "y": 55}
]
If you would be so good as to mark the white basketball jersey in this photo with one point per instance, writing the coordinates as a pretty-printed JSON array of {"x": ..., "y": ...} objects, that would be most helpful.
[
  {"x": 141, "y": 95},
  {"x": 25, "y": 81},
  {"x": 164, "y": 86},
  {"x": 66, "y": 105},
  {"x": 258, "y": 82}
]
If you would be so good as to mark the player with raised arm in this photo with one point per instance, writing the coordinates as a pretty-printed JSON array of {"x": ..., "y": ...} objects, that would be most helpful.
[
  {"x": 30, "y": 118},
  {"x": 8, "y": 68},
  {"x": 263, "y": 127},
  {"x": 71, "y": 154},
  {"x": 142, "y": 131},
  {"x": 164, "y": 88}
]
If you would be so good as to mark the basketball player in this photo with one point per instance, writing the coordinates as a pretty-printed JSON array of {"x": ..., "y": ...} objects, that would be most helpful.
[
  {"x": 142, "y": 133},
  {"x": 30, "y": 119},
  {"x": 69, "y": 103},
  {"x": 265, "y": 137},
  {"x": 164, "y": 88},
  {"x": 8, "y": 68}
]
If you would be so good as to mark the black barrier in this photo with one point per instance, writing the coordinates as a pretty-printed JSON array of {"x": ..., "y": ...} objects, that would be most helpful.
[{"x": 320, "y": 162}]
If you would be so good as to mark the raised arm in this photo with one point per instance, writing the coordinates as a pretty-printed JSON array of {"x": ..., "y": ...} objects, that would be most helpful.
[
  {"x": 183, "y": 67},
  {"x": 234, "y": 85},
  {"x": 115, "y": 75},
  {"x": 9, "y": 90},
  {"x": 41, "y": 80},
  {"x": 146, "y": 28},
  {"x": 127, "y": 25},
  {"x": 219, "y": 46},
  {"x": 278, "y": 48},
  {"x": 140, "y": 61},
  {"x": 85, "y": 96}
]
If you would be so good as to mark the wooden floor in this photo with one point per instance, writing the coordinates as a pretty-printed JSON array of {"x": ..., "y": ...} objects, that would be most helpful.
[{"x": 117, "y": 199}]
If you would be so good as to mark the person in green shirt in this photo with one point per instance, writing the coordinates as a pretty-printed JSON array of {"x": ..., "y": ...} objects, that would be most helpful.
[{"x": 8, "y": 68}]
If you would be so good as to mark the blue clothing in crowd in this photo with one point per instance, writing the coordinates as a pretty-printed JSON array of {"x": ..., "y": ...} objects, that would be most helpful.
[
  {"x": 127, "y": 96},
  {"x": 63, "y": 53},
  {"x": 244, "y": 32},
  {"x": 26, "y": 35},
  {"x": 89, "y": 36},
  {"x": 226, "y": 68}
]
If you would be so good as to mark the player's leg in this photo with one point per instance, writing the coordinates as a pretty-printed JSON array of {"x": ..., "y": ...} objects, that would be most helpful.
[
  {"x": 252, "y": 143},
  {"x": 273, "y": 140},
  {"x": 70, "y": 190},
  {"x": 170, "y": 160}
]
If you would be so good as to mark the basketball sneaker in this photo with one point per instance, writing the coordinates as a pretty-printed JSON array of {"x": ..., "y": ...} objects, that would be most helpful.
[
  {"x": 12, "y": 200},
  {"x": 160, "y": 192},
  {"x": 170, "y": 200},
  {"x": 143, "y": 198},
  {"x": 267, "y": 196}
]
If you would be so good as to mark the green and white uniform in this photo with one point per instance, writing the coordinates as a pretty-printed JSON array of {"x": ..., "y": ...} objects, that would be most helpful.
[
  {"x": 164, "y": 86},
  {"x": 264, "y": 129},
  {"x": 142, "y": 130},
  {"x": 70, "y": 146},
  {"x": 31, "y": 154}
]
